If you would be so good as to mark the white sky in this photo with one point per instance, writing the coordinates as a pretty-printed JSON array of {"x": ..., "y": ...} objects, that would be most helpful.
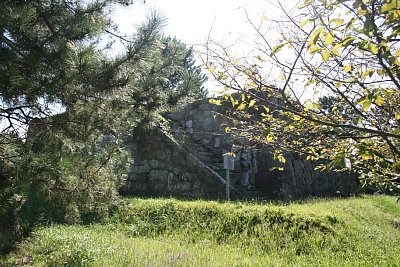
[{"x": 192, "y": 20}]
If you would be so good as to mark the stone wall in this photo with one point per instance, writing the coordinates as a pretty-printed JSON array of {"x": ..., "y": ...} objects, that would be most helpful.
[
  {"x": 165, "y": 167},
  {"x": 299, "y": 179},
  {"x": 161, "y": 167},
  {"x": 201, "y": 123}
]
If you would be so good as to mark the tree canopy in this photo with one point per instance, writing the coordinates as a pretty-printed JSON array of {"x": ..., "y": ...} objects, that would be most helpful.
[
  {"x": 327, "y": 86},
  {"x": 69, "y": 104}
]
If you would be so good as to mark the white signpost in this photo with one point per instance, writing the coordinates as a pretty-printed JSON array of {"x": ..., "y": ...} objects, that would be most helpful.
[{"x": 229, "y": 165}]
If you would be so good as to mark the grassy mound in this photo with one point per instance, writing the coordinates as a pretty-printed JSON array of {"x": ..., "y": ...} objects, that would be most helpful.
[{"x": 165, "y": 232}]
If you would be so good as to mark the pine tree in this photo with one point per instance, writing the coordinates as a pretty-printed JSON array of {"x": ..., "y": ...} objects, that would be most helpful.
[{"x": 67, "y": 107}]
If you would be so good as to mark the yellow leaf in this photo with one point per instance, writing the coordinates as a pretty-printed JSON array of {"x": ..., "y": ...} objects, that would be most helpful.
[
  {"x": 390, "y": 6},
  {"x": 215, "y": 102},
  {"x": 270, "y": 138},
  {"x": 374, "y": 49},
  {"x": 281, "y": 158},
  {"x": 361, "y": 11},
  {"x": 397, "y": 116},
  {"x": 347, "y": 68},
  {"x": 313, "y": 49},
  {"x": 263, "y": 17},
  {"x": 366, "y": 73},
  {"x": 252, "y": 102},
  {"x": 316, "y": 105},
  {"x": 398, "y": 53},
  {"x": 241, "y": 106},
  {"x": 366, "y": 156},
  {"x": 335, "y": 49},
  {"x": 308, "y": 105},
  {"x": 325, "y": 55},
  {"x": 338, "y": 22},
  {"x": 329, "y": 39},
  {"x": 366, "y": 103},
  {"x": 379, "y": 100},
  {"x": 234, "y": 102}
]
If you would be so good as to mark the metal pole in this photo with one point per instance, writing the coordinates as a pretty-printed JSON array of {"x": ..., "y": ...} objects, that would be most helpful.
[{"x": 227, "y": 185}]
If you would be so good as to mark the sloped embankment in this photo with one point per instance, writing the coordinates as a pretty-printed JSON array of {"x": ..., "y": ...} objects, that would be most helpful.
[{"x": 166, "y": 232}]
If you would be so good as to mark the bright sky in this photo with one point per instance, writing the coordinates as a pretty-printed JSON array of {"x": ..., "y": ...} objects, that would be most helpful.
[{"x": 192, "y": 20}]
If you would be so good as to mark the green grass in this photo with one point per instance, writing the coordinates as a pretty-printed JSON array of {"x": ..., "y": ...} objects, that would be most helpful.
[{"x": 361, "y": 231}]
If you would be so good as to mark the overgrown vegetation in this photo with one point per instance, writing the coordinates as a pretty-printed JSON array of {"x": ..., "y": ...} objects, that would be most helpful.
[
  {"x": 323, "y": 80},
  {"x": 353, "y": 232},
  {"x": 69, "y": 104}
]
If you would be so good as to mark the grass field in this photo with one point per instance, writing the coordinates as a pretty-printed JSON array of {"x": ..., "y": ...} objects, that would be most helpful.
[{"x": 363, "y": 231}]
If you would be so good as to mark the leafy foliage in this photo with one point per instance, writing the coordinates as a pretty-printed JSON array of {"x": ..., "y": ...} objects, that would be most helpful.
[
  {"x": 333, "y": 95},
  {"x": 68, "y": 106}
]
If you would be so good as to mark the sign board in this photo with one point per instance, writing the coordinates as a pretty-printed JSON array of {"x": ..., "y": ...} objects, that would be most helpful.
[{"x": 229, "y": 161}]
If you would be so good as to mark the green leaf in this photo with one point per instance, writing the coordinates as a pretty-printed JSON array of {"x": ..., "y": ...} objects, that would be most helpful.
[
  {"x": 366, "y": 102},
  {"x": 369, "y": 22},
  {"x": 315, "y": 36},
  {"x": 366, "y": 73},
  {"x": 304, "y": 22},
  {"x": 276, "y": 48},
  {"x": 305, "y": 4},
  {"x": 348, "y": 41},
  {"x": 260, "y": 58}
]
